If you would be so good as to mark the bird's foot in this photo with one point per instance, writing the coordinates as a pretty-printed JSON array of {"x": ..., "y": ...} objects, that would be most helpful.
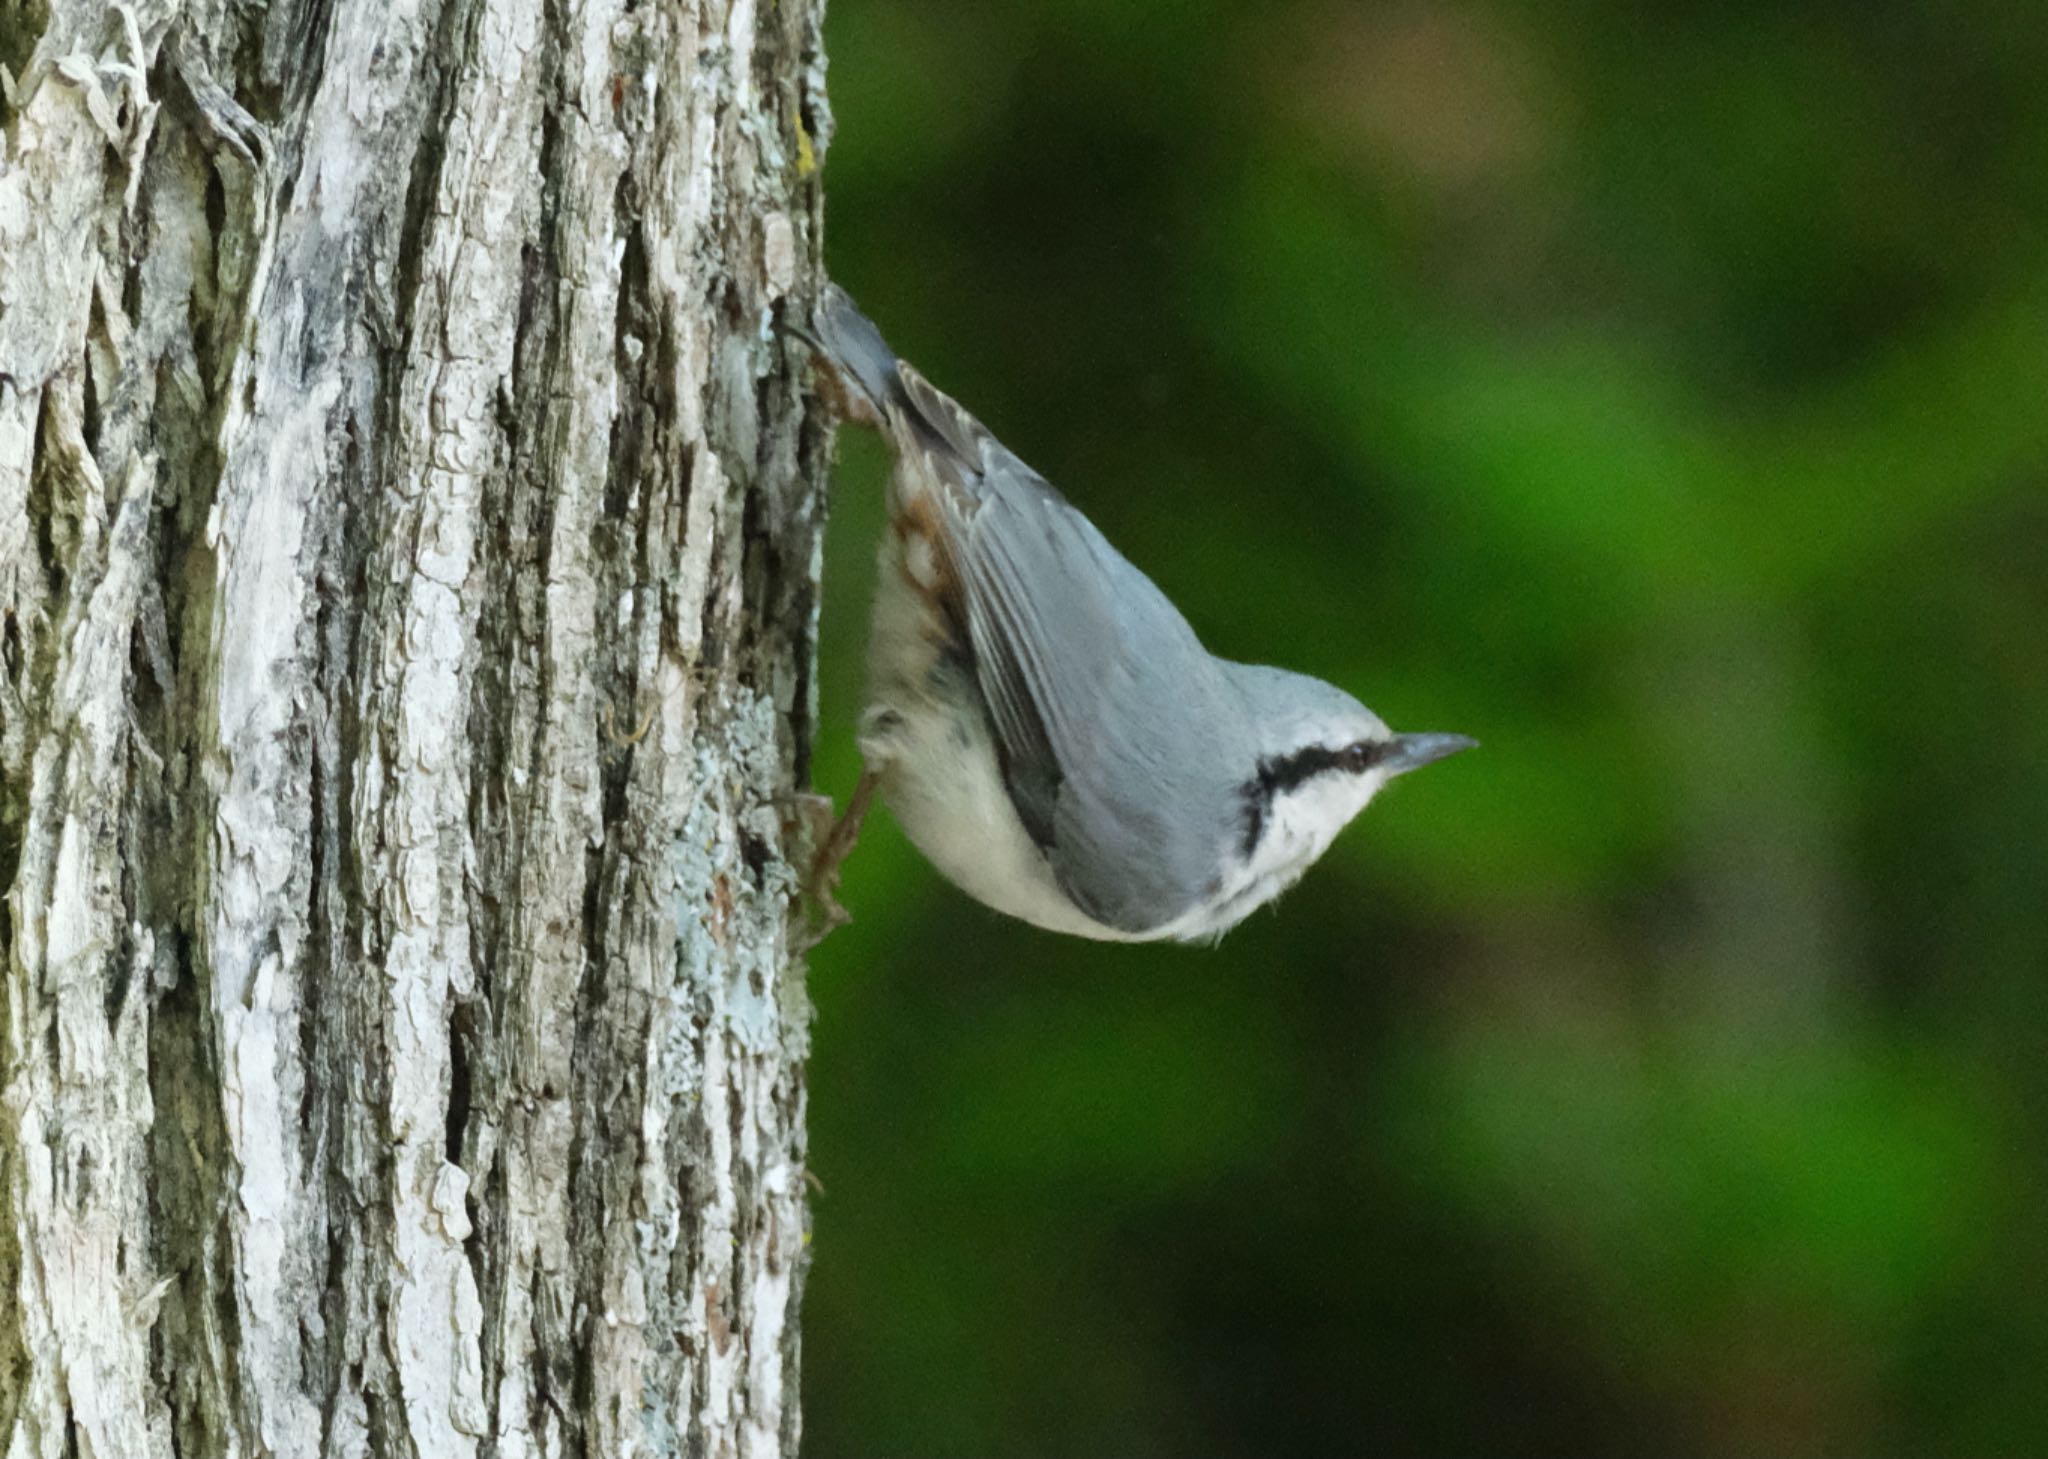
[{"x": 834, "y": 837}]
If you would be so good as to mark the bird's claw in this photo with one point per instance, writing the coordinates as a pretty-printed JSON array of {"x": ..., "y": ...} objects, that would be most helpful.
[{"x": 833, "y": 836}]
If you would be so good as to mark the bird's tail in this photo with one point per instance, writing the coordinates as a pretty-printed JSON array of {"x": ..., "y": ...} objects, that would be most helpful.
[{"x": 857, "y": 353}]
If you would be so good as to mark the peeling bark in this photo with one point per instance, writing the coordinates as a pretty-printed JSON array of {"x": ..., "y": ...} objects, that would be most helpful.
[{"x": 409, "y": 527}]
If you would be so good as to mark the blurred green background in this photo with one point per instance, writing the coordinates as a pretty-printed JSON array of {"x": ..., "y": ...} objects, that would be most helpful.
[{"x": 1659, "y": 394}]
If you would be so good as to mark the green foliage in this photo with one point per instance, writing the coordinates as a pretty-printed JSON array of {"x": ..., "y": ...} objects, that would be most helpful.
[{"x": 1655, "y": 395}]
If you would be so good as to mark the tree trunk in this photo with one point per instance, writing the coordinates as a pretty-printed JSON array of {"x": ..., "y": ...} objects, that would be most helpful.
[{"x": 409, "y": 528}]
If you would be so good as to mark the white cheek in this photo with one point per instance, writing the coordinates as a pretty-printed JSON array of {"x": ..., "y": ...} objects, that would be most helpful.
[{"x": 1305, "y": 825}]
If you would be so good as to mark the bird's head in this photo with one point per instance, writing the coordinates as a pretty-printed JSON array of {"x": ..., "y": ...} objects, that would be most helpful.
[{"x": 1321, "y": 757}]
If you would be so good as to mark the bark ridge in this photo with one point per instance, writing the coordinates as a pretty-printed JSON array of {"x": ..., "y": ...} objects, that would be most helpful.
[{"x": 409, "y": 541}]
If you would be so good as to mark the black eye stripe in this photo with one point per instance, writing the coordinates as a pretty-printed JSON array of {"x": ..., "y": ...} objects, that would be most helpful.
[
  {"x": 1305, "y": 764},
  {"x": 1288, "y": 771}
]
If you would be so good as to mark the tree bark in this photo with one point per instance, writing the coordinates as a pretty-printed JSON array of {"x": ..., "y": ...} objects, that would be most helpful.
[{"x": 409, "y": 528}]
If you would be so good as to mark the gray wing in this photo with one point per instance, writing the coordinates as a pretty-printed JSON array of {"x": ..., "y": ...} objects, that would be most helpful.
[{"x": 1119, "y": 736}]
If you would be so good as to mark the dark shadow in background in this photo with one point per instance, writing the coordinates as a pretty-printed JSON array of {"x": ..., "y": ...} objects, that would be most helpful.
[{"x": 1657, "y": 396}]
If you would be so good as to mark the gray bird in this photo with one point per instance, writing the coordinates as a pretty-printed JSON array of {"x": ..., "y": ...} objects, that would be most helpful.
[{"x": 1045, "y": 724}]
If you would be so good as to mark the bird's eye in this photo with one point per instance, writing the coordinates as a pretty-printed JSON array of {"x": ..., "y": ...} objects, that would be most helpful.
[{"x": 1358, "y": 757}]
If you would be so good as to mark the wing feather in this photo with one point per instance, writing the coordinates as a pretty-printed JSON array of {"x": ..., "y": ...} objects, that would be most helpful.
[{"x": 1112, "y": 724}]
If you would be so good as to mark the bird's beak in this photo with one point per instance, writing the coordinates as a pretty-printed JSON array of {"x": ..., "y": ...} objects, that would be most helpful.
[{"x": 1412, "y": 752}]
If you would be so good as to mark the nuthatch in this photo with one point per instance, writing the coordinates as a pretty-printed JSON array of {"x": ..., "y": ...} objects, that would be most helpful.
[{"x": 1045, "y": 724}]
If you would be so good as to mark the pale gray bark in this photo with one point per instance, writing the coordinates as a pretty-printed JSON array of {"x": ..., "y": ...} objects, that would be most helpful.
[{"x": 409, "y": 530}]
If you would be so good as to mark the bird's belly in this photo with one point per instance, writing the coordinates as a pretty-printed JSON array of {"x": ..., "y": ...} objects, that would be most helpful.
[
  {"x": 926, "y": 733},
  {"x": 940, "y": 777}
]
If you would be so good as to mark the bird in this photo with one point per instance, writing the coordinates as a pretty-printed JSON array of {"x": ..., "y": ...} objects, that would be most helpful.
[{"x": 1043, "y": 722}]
